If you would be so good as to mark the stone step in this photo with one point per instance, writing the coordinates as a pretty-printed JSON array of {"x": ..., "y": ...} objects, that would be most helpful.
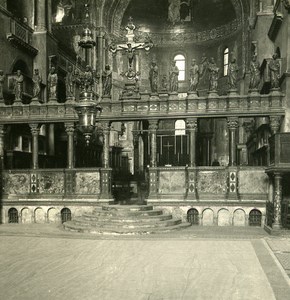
[
  {"x": 109, "y": 224},
  {"x": 123, "y": 231},
  {"x": 127, "y": 212},
  {"x": 129, "y": 208},
  {"x": 127, "y": 218}
]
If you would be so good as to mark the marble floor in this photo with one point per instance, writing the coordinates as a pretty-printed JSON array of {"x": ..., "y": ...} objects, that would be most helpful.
[{"x": 141, "y": 268}]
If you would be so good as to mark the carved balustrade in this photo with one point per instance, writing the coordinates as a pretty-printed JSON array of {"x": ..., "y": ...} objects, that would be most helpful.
[{"x": 219, "y": 106}]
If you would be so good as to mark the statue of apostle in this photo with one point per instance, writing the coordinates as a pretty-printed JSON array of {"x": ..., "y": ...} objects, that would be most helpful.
[{"x": 194, "y": 76}]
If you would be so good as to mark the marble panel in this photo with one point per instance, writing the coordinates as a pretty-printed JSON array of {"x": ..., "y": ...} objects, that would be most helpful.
[
  {"x": 51, "y": 183},
  {"x": 253, "y": 182},
  {"x": 52, "y": 216},
  {"x": 223, "y": 217},
  {"x": 212, "y": 182},
  {"x": 25, "y": 216},
  {"x": 88, "y": 183},
  {"x": 17, "y": 184},
  {"x": 39, "y": 216},
  {"x": 207, "y": 217},
  {"x": 172, "y": 182},
  {"x": 239, "y": 218}
]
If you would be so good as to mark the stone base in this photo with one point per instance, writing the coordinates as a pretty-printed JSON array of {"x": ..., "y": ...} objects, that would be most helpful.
[
  {"x": 212, "y": 94},
  {"x": 192, "y": 95},
  {"x": 233, "y": 92},
  {"x": 70, "y": 100},
  {"x": 254, "y": 92},
  {"x": 275, "y": 231},
  {"x": 173, "y": 95},
  {"x": 275, "y": 91}
]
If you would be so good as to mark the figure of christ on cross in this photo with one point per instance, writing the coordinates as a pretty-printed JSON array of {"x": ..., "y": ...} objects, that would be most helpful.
[{"x": 130, "y": 47}]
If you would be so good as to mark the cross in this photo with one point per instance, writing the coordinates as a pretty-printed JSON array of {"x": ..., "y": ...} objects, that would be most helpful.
[
  {"x": 168, "y": 148},
  {"x": 130, "y": 47}
]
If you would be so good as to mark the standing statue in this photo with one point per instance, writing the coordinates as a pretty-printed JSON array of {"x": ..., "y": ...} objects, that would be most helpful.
[
  {"x": 164, "y": 83},
  {"x": 274, "y": 67},
  {"x": 107, "y": 81},
  {"x": 213, "y": 75},
  {"x": 52, "y": 83},
  {"x": 69, "y": 84},
  {"x": 18, "y": 86},
  {"x": 153, "y": 77},
  {"x": 173, "y": 77},
  {"x": 255, "y": 76},
  {"x": 174, "y": 11},
  {"x": 2, "y": 78},
  {"x": 233, "y": 73},
  {"x": 36, "y": 79},
  {"x": 87, "y": 79},
  {"x": 194, "y": 76}
]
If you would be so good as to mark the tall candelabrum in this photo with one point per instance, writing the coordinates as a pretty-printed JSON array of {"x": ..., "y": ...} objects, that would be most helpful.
[{"x": 87, "y": 106}]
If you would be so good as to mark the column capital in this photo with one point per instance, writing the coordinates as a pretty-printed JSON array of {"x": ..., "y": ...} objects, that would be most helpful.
[
  {"x": 275, "y": 122},
  {"x": 2, "y": 130},
  {"x": 191, "y": 124},
  {"x": 233, "y": 123},
  {"x": 69, "y": 128},
  {"x": 34, "y": 128},
  {"x": 153, "y": 125}
]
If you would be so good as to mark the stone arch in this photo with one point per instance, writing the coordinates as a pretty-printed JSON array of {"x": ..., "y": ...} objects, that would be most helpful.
[
  {"x": 193, "y": 216},
  {"x": 223, "y": 217},
  {"x": 13, "y": 215},
  {"x": 239, "y": 217},
  {"x": 207, "y": 217},
  {"x": 255, "y": 217},
  {"x": 65, "y": 215},
  {"x": 113, "y": 12},
  {"x": 52, "y": 215},
  {"x": 25, "y": 215},
  {"x": 39, "y": 216}
]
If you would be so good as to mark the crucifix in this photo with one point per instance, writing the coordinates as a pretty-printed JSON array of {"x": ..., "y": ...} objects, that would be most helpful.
[
  {"x": 168, "y": 146},
  {"x": 130, "y": 47}
]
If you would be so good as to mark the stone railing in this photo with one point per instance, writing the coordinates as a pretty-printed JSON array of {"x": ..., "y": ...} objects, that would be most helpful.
[
  {"x": 157, "y": 107},
  {"x": 208, "y": 184}
]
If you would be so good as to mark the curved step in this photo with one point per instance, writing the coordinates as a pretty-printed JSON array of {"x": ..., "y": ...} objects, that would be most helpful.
[
  {"x": 124, "y": 231},
  {"x": 87, "y": 223},
  {"x": 127, "y": 218}
]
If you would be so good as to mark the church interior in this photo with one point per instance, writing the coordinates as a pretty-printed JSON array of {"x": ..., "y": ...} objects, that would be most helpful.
[{"x": 179, "y": 106}]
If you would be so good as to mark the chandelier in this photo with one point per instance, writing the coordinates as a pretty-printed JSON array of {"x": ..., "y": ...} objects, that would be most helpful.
[{"x": 87, "y": 107}]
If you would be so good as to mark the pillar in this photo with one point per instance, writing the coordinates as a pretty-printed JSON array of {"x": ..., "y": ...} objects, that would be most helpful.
[
  {"x": 277, "y": 224},
  {"x": 192, "y": 127},
  {"x": 275, "y": 124},
  {"x": 35, "y": 133},
  {"x": 136, "y": 151},
  {"x": 106, "y": 147},
  {"x": 41, "y": 15},
  {"x": 51, "y": 143},
  {"x": 2, "y": 135},
  {"x": 153, "y": 125},
  {"x": 232, "y": 127},
  {"x": 69, "y": 128}
]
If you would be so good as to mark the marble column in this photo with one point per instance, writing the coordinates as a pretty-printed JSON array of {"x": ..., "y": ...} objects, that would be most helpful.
[
  {"x": 153, "y": 125},
  {"x": 192, "y": 127},
  {"x": 51, "y": 140},
  {"x": 136, "y": 151},
  {"x": 41, "y": 15},
  {"x": 69, "y": 128},
  {"x": 106, "y": 146},
  {"x": 275, "y": 124},
  {"x": 2, "y": 135},
  {"x": 101, "y": 57},
  {"x": 233, "y": 123},
  {"x": 35, "y": 133},
  {"x": 277, "y": 224}
]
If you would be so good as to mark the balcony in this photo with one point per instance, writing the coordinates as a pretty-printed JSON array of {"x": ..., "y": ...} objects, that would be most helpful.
[{"x": 20, "y": 36}]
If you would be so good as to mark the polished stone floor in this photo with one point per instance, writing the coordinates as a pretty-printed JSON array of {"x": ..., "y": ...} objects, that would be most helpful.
[{"x": 164, "y": 267}]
